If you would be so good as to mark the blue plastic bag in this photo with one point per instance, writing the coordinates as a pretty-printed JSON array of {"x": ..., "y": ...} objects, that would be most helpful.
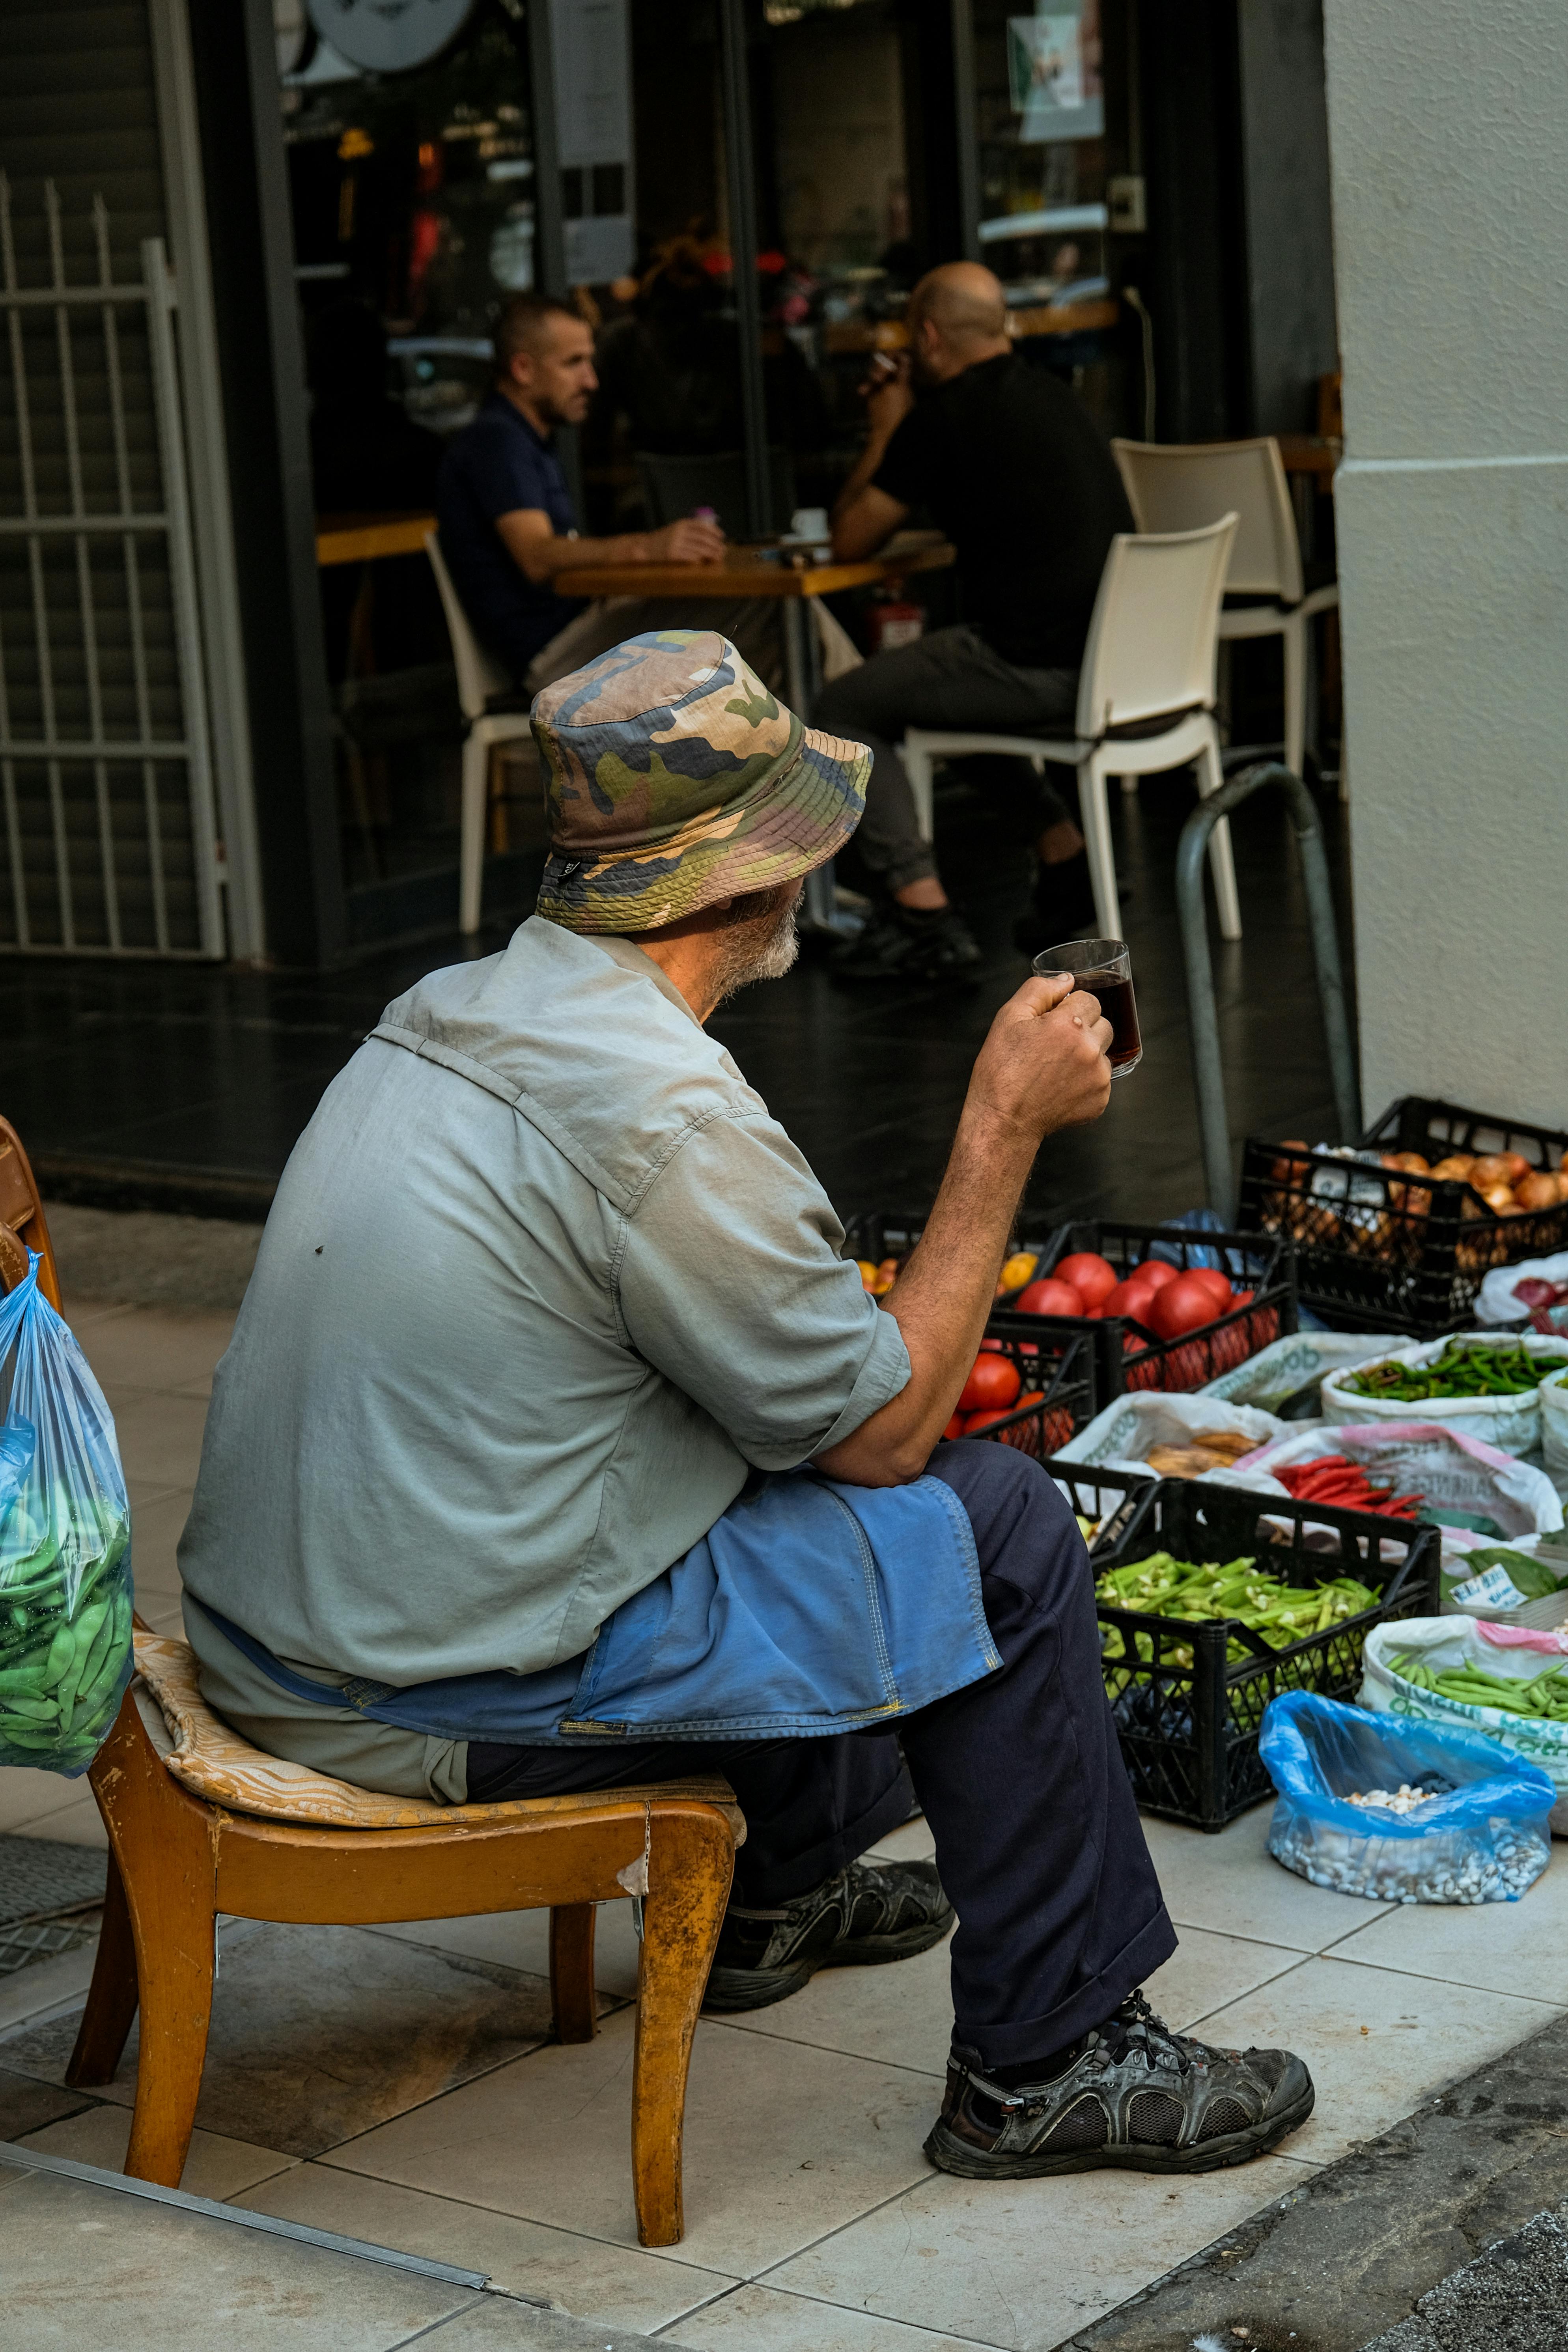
[
  {"x": 65, "y": 1546},
  {"x": 1481, "y": 1838}
]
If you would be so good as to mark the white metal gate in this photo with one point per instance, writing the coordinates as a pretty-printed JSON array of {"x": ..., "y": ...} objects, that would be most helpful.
[{"x": 105, "y": 763}]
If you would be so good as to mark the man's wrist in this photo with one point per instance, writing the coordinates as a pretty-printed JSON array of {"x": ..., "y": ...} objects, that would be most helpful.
[{"x": 988, "y": 1132}]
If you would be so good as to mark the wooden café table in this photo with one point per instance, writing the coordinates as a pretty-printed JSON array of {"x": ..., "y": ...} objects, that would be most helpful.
[
  {"x": 361, "y": 538},
  {"x": 766, "y": 574},
  {"x": 746, "y": 572}
]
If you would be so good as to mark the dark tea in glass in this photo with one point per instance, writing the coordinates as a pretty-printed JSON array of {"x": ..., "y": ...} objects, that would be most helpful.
[{"x": 1104, "y": 969}]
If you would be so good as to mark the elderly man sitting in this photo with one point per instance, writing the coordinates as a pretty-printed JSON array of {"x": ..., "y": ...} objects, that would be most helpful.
[{"x": 558, "y": 1449}]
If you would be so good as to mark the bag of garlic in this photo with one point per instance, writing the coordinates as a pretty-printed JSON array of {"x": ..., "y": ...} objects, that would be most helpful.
[{"x": 1401, "y": 1811}]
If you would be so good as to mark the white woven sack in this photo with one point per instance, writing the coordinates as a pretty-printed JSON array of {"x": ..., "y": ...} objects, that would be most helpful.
[
  {"x": 1511, "y": 1424},
  {"x": 1555, "y": 1429},
  {"x": 1120, "y": 1437},
  {"x": 1455, "y": 1473},
  {"x": 1442, "y": 1641},
  {"x": 1286, "y": 1365},
  {"x": 1495, "y": 1301}
]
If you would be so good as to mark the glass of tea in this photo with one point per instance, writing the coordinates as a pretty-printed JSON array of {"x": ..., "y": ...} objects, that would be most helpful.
[{"x": 1103, "y": 968}]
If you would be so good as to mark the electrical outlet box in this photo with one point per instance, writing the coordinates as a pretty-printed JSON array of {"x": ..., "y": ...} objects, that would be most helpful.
[{"x": 1124, "y": 203}]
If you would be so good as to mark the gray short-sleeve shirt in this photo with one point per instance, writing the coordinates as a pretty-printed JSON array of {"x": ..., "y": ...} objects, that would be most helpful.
[{"x": 542, "y": 1281}]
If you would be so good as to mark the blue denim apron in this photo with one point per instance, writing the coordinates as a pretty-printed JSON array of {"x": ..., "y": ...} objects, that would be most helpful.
[{"x": 810, "y": 1608}]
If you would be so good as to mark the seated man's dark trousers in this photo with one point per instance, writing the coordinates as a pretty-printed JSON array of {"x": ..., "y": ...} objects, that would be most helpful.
[
  {"x": 951, "y": 680},
  {"x": 1037, "y": 1837}
]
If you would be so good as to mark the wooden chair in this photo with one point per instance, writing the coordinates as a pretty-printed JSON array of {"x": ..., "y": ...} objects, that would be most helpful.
[
  {"x": 290, "y": 1844},
  {"x": 22, "y": 1214}
]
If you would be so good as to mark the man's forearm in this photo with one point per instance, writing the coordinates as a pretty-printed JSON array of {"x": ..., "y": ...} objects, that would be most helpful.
[
  {"x": 871, "y": 456},
  {"x": 941, "y": 1299},
  {"x": 545, "y": 558}
]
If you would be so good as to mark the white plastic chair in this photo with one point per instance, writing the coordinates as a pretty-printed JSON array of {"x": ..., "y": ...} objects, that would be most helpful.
[
  {"x": 477, "y": 679},
  {"x": 1181, "y": 487},
  {"x": 1145, "y": 700}
]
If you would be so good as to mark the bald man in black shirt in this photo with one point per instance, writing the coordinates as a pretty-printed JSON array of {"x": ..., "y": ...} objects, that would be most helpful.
[{"x": 1007, "y": 461}]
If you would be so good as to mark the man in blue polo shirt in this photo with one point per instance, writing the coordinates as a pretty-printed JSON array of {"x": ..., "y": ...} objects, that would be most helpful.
[{"x": 509, "y": 536}]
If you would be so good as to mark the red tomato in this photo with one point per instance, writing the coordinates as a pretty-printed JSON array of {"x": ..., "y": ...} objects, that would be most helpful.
[
  {"x": 1091, "y": 1275},
  {"x": 975, "y": 1422},
  {"x": 1183, "y": 1305},
  {"x": 1218, "y": 1283},
  {"x": 990, "y": 1348},
  {"x": 993, "y": 1384},
  {"x": 1095, "y": 1315},
  {"x": 1131, "y": 1345},
  {"x": 1157, "y": 1270},
  {"x": 1242, "y": 1298},
  {"x": 1050, "y": 1297},
  {"x": 1135, "y": 1296},
  {"x": 956, "y": 1427}
]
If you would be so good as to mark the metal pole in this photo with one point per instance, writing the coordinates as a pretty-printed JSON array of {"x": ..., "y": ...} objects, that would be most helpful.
[
  {"x": 185, "y": 597},
  {"x": 741, "y": 187},
  {"x": 549, "y": 214},
  {"x": 1207, "y": 1070},
  {"x": 212, "y": 510},
  {"x": 967, "y": 125}
]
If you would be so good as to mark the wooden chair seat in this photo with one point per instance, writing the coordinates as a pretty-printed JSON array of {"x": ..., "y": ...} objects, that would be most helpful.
[{"x": 201, "y": 1822}]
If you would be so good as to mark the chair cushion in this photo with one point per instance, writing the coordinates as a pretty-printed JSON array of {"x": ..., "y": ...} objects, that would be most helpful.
[{"x": 216, "y": 1764}]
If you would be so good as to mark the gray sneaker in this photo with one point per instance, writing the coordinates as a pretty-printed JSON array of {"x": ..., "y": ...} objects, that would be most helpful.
[
  {"x": 861, "y": 1917},
  {"x": 1137, "y": 2096}
]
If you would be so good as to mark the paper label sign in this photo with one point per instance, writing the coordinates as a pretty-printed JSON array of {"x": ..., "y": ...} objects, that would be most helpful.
[{"x": 1493, "y": 1589}]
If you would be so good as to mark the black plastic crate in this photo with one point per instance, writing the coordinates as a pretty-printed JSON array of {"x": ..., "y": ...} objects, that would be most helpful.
[
  {"x": 1128, "y": 1354},
  {"x": 1115, "y": 1500},
  {"x": 1188, "y": 1714},
  {"x": 1390, "y": 1251},
  {"x": 1058, "y": 1373}
]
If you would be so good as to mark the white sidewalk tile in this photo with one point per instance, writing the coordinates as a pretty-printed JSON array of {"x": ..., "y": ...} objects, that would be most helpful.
[
  {"x": 761, "y": 2319},
  {"x": 1517, "y": 1948},
  {"x": 216, "y": 2167},
  {"x": 1376, "y": 2043},
  {"x": 1025, "y": 2264},
  {"x": 150, "y": 1348},
  {"x": 1232, "y": 1883},
  {"x": 782, "y": 2142},
  {"x": 618, "y": 2284}
]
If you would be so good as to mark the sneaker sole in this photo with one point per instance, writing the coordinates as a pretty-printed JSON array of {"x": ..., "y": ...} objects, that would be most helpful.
[
  {"x": 956, "y": 2155},
  {"x": 734, "y": 1989}
]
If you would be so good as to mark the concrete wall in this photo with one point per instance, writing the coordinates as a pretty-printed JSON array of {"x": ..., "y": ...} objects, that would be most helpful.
[{"x": 1449, "y": 135}]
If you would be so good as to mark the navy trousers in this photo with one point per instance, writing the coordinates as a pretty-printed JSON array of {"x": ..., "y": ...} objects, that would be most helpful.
[{"x": 1019, "y": 1775}]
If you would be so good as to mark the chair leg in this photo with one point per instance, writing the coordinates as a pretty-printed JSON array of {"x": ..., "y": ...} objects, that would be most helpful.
[
  {"x": 472, "y": 845},
  {"x": 1295, "y": 643},
  {"x": 1096, "y": 818},
  {"x": 163, "y": 1848},
  {"x": 1221, "y": 863},
  {"x": 1130, "y": 787},
  {"x": 111, "y": 2002},
  {"x": 691, "y": 1861},
  {"x": 571, "y": 1994}
]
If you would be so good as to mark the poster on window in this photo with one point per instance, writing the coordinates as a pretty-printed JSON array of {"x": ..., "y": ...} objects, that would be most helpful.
[
  {"x": 591, "y": 45},
  {"x": 1053, "y": 73}
]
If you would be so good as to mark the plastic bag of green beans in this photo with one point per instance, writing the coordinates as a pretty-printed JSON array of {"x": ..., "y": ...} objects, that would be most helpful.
[{"x": 65, "y": 1545}]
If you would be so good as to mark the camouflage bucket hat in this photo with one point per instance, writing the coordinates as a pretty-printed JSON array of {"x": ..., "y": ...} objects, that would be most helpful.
[{"x": 676, "y": 778}]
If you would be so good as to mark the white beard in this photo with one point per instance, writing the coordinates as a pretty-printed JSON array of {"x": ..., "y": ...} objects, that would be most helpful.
[{"x": 770, "y": 959}]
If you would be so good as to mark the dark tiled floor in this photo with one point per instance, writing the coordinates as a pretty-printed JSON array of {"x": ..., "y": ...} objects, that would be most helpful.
[{"x": 193, "y": 1083}]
